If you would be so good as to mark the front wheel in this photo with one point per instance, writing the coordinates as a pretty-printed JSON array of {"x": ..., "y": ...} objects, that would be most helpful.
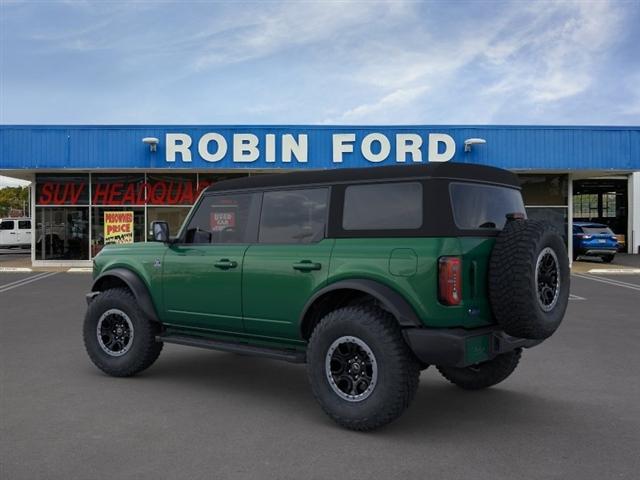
[
  {"x": 483, "y": 375},
  {"x": 360, "y": 368},
  {"x": 607, "y": 258},
  {"x": 119, "y": 338}
]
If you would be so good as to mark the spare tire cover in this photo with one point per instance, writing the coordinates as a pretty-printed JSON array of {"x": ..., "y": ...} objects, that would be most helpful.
[{"x": 529, "y": 279}]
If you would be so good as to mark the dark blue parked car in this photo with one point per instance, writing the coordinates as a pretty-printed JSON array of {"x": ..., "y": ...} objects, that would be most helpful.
[{"x": 594, "y": 239}]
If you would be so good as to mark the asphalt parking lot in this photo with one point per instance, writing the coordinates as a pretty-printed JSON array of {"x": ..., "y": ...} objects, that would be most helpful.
[{"x": 571, "y": 410}]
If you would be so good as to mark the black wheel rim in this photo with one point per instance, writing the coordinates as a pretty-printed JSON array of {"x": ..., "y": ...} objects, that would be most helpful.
[
  {"x": 547, "y": 279},
  {"x": 115, "y": 332},
  {"x": 351, "y": 369}
]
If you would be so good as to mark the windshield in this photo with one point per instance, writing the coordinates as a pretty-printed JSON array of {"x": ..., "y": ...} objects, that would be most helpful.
[
  {"x": 477, "y": 206},
  {"x": 594, "y": 230}
]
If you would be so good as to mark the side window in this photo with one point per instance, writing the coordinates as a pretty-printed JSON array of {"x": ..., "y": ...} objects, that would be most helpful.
[
  {"x": 6, "y": 225},
  {"x": 24, "y": 224},
  {"x": 478, "y": 206},
  {"x": 294, "y": 216},
  {"x": 224, "y": 218},
  {"x": 383, "y": 206}
]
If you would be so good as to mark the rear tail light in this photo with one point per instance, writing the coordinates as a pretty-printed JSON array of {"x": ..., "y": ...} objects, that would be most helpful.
[{"x": 450, "y": 280}]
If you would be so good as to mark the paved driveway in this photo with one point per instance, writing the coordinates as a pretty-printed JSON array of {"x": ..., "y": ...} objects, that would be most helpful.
[{"x": 570, "y": 411}]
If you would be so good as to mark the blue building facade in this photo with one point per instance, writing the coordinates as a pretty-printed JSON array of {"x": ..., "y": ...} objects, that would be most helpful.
[{"x": 157, "y": 171}]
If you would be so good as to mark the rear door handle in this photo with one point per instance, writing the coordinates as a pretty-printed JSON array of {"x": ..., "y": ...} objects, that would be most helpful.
[
  {"x": 225, "y": 264},
  {"x": 306, "y": 266}
]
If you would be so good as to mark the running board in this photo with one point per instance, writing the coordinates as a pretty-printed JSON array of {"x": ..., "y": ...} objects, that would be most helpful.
[{"x": 290, "y": 355}]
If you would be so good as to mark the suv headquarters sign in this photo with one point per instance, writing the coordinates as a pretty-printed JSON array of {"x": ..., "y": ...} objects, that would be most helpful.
[{"x": 287, "y": 148}]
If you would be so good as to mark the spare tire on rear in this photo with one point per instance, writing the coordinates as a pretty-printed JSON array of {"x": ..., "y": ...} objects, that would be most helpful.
[{"x": 529, "y": 279}]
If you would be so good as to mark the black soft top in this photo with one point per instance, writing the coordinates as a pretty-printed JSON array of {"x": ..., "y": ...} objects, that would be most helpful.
[{"x": 454, "y": 171}]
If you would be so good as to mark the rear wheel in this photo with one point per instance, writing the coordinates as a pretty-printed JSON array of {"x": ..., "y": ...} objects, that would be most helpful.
[
  {"x": 360, "y": 368},
  {"x": 607, "y": 258},
  {"x": 119, "y": 338},
  {"x": 483, "y": 375}
]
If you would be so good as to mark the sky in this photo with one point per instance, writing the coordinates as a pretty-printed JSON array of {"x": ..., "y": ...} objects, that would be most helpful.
[{"x": 323, "y": 62}]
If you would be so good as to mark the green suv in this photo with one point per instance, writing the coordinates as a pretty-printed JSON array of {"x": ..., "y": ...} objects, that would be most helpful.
[{"x": 366, "y": 275}]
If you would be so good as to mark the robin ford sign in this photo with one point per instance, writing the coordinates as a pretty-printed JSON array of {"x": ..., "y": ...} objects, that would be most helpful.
[{"x": 290, "y": 149}]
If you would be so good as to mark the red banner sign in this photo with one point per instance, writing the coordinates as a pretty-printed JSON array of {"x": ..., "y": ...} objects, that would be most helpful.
[{"x": 159, "y": 192}]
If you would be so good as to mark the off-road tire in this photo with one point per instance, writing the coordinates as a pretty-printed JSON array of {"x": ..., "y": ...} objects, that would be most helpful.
[
  {"x": 513, "y": 292},
  {"x": 484, "y": 374},
  {"x": 144, "y": 349},
  {"x": 398, "y": 369}
]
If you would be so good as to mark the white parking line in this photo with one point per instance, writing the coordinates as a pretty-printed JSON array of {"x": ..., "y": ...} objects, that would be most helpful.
[
  {"x": 21, "y": 280},
  {"x": 24, "y": 281},
  {"x": 615, "y": 271},
  {"x": 608, "y": 281},
  {"x": 575, "y": 297}
]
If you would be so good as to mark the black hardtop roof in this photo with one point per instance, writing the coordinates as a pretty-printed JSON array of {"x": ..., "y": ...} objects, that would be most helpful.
[{"x": 459, "y": 171}]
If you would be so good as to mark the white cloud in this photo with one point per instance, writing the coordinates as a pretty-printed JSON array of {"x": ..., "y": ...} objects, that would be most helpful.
[
  {"x": 534, "y": 54},
  {"x": 387, "y": 104},
  {"x": 12, "y": 182},
  {"x": 553, "y": 56},
  {"x": 287, "y": 26}
]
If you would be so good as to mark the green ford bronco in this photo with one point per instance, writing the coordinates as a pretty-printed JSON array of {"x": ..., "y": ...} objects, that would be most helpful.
[{"x": 366, "y": 275}]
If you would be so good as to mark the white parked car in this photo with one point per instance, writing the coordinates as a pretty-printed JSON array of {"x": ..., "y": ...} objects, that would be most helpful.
[{"x": 15, "y": 232}]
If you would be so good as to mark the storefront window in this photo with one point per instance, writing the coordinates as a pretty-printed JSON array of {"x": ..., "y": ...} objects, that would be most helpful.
[
  {"x": 174, "y": 216},
  {"x": 545, "y": 190},
  {"x": 63, "y": 189},
  {"x": 62, "y": 233},
  {"x": 70, "y": 208},
  {"x": 97, "y": 225},
  {"x": 122, "y": 189},
  {"x": 171, "y": 189}
]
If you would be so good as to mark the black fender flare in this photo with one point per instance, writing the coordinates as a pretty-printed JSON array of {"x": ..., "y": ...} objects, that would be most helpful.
[
  {"x": 135, "y": 284},
  {"x": 392, "y": 300}
]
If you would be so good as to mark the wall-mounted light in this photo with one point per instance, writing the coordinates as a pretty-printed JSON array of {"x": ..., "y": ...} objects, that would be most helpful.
[
  {"x": 152, "y": 142},
  {"x": 473, "y": 141}
]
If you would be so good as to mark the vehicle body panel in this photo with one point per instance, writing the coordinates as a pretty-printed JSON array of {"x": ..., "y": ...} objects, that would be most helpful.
[
  {"x": 197, "y": 293},
  {"x": 144, "y": 259},
  {"x": 370, "y": 258},
  {"x": 276, "y": 285}
]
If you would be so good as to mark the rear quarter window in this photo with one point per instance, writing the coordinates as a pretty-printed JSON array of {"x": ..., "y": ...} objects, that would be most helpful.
[
  {"x": 477, "y": 207},
  {"x": 384, "y": 206},
  {"x": 596, "y": 230}
]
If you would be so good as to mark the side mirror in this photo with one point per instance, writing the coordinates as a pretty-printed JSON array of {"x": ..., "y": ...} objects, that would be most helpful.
[{"x": 159, "y": 231}]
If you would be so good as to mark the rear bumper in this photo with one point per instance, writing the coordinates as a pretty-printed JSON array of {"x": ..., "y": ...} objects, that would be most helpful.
[
  {"x": 598, "y": 251},
  {"x": 457, "y": 347}
]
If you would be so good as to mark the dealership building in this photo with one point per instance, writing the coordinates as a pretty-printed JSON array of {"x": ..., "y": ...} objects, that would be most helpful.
[{"x": 78, "y": 173}]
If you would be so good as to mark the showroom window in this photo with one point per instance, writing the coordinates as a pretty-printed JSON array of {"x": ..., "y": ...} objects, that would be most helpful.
[
  {"x": 71, "y": 208},
  {"x": 546, "y": 197},
  {"x": 62, "y": 217}
]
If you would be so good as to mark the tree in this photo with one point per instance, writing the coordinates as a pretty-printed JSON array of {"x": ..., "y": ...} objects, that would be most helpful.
[{"x": 13, "y": 198}]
